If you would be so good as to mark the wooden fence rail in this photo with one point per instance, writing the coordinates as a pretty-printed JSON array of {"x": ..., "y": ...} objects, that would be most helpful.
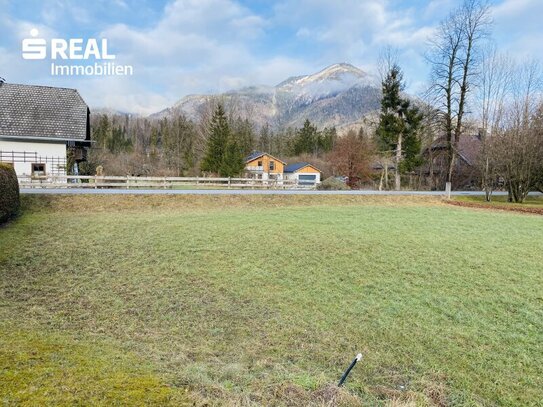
[{"x": 129, "y": 182}]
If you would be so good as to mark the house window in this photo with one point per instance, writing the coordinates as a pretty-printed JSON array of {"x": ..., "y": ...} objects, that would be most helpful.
[
  {"x": 38, "y": 169},
  {"x": 259, "y": 164},
  {"x": 272, "y": 165}
]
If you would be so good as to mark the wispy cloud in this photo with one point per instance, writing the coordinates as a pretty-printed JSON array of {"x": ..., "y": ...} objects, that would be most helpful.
[{"x": 180, "y": 47}]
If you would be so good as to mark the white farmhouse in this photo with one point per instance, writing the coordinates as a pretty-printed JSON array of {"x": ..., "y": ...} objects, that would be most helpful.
[{"x": 39, "y": 126}]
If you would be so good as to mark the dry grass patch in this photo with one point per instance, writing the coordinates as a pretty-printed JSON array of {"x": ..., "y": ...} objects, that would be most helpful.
[{"x": 141, "y": 203}]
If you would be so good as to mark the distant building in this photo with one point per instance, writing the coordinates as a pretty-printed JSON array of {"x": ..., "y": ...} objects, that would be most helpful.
[
  {"x": 264, "y": 166},
  {"x": 303, "y": 173},
  {"x": 466, "y": 172},
  {"x": 39, "y": 125}
]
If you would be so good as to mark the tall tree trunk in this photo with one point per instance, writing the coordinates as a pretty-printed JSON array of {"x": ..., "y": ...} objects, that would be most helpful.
[
  {"x": 386, "y": 174},
  {"x": 397, "y": 178},
  {"x": 487, "y": 180},
  {"x": 431, "y": 171},
  {"x": 451, "y": 163}
]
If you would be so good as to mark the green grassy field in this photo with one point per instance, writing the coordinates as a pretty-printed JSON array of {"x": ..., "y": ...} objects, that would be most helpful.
[
  {"x": 531, "y": 201},
  {"x": 265, "y": 300}
]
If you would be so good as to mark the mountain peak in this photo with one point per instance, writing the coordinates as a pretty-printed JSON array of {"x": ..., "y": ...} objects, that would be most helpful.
[
  {"x": 340, "y": 72},
  {"x": 338, "y": 95},
  {"x": 341, "y": 67}
]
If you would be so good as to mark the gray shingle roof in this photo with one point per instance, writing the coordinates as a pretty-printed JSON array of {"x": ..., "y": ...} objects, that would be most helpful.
[
  {"x": 253, "y": 155},
  {"x": 42, "y": 112}
]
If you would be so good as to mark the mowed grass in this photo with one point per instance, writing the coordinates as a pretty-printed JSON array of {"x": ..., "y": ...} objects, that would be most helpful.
[
  {"x": 535, "y": 201},
  {"x": 265, "y": 300}
]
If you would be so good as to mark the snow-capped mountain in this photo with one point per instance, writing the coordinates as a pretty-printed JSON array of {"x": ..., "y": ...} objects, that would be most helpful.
[
  {"x": 328, "y": 82},
  {"x": 339, "y": 95}
]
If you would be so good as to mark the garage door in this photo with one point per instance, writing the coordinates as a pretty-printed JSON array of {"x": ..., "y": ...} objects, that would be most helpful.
[{"x": 307, "y": 179}]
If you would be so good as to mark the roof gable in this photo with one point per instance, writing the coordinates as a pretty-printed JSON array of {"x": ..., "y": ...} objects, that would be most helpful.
[
  {"x": 257, "y": 154},
  {"x": 29, "y": 111},
  {"x": 298, "y": 166}
]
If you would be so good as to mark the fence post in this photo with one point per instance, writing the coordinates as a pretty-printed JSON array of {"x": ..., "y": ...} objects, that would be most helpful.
[
  {"x": 229, "y": 181},
  {"x": 448, "y": 190}
]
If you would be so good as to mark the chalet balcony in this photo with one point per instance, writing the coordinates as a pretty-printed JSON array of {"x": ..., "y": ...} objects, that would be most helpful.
[{"x": 254, "y": 168}]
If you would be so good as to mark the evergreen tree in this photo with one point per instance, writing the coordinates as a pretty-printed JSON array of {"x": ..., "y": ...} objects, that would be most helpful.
[
  {"x": 265, "y": 139},
  {"x": 282, "y": 142},
  {"x": 117, "y": 141},
  {"x": 219, "y": 135},
  {"x": 306, "y": 140},
  {"x": 326, "y": 140},
  {"x": 232, "y": 164},
  {"x": 245, "y": 134},
  {"x": 399, "y": 124},
  {"x": 178, "y": 144},
  {"x": 412, "y": 157},
  {"x": 153, "y": 143},
  {"x": 102, "y": 131}
]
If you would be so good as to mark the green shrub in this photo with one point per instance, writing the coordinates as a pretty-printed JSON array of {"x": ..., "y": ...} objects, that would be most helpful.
[
  {"x": 332, "y": 184},
  {"x": 9, "y": 192}
]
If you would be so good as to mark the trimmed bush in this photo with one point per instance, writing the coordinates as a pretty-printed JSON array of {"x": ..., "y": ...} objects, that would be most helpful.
[
  {"x": 332, "y": 184},
  {"x": 9, "y": 192}
]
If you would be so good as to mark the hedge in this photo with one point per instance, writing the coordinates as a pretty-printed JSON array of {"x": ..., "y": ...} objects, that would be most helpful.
[
  {"x": 332, "y": 184},
  {"x": 9, "y": 192}
]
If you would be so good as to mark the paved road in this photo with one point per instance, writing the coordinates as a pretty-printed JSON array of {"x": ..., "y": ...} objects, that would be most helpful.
[{"x": 80, "y": 191}]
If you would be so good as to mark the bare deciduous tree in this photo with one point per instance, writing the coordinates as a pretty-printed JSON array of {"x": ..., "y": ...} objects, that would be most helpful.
[
  {"x": 517, "y": 145},
  {"x": 496, "y": 79},
  {"x": 454, "y": 57},
  {"x": 352, "y": 156}
]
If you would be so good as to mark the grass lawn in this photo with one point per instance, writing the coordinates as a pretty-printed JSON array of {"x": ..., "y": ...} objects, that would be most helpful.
[
  {"x": 535, "y": 201},
  {"x": 264, "y": 300}
]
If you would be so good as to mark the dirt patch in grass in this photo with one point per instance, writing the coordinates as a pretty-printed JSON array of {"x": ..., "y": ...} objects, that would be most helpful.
[
  {"x": 326, "y": 395},
  {"x": 499, "y": 207}
]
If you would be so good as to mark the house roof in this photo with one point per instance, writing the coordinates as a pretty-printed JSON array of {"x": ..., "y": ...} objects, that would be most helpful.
[
  {"x": 257, "y": 154},
  {"x": 469, "y": 147},
  {"x": 43, "y": 112},
  {"x": 298, "y": 166}
]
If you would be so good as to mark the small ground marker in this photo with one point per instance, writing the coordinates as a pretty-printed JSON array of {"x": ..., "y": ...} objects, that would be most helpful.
[{"x": 344, "y": 377}]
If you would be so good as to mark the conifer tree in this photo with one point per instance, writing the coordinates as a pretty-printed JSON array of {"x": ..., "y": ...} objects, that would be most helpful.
[
  {"x": 102, "y": 131},
  {"x": 244, "y": 131},
  {"x": 219, "y": 135},
  {"x": 399, "y": 124},
  {"x": 232, "y": 164},
  {"x": 306, "y": 139},
  {"x": 264, "y": 142}
]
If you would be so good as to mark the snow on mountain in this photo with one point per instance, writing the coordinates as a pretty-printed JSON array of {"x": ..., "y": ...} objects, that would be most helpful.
[
  {"x": 338, "y": 95},
  {"x": 328, "y": 82}
]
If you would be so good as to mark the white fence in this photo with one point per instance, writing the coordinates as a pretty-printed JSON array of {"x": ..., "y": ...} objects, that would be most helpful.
[{"x": 129, "y": 182}]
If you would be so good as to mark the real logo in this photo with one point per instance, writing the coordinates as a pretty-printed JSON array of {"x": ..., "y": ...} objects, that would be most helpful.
[{"x": 75, "y": 48}]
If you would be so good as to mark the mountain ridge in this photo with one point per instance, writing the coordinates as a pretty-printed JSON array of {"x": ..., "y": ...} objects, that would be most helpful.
[{"x": 339, "y": 95}]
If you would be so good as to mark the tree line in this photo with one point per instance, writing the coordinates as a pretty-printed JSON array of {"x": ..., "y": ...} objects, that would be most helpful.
[
  {"x": 474, "y": 91},
  {"x": 215, "y": 145}
]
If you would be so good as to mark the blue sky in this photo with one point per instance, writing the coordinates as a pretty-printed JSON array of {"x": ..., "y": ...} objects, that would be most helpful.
[{"x": 181, "y": 47}]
